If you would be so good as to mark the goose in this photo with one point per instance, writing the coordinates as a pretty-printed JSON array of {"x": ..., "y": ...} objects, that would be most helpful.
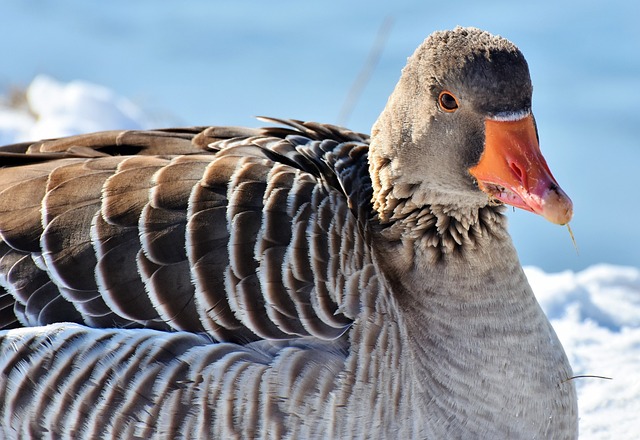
[{"x": 298, "y": 280}]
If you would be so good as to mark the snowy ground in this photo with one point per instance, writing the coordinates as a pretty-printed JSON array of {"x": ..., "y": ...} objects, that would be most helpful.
[{"x": 596, "y": 312}]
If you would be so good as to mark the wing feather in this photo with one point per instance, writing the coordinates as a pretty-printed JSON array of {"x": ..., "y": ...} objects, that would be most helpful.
[
  {"x": 117, "y": 251},
  {"x": 245, "y": 234}
]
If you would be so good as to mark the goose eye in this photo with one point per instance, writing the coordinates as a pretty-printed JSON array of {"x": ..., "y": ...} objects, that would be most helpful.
[{"x": 448, "y": 102}]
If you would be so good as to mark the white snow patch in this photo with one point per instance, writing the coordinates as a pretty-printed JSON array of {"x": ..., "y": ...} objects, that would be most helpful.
[
  {"x": 57, "y": 109},
  {"x": 596, "y": 314}
]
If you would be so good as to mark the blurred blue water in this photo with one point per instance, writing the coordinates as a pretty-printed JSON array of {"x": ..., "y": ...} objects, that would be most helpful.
[{"x": 222, "y": 62}]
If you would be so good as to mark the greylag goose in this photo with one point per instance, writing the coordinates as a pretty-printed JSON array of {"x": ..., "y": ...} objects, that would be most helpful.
[{"x": 294, "y": 281}]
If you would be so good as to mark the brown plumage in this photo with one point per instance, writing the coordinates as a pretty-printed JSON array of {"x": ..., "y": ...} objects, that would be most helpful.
[{"x": 300, "y": 281}]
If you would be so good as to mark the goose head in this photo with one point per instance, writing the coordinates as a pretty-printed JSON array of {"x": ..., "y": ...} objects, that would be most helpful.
[{"x": 458, "y": 131}]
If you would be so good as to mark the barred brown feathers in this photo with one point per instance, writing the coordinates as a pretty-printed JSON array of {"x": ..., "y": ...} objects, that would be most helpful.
[{"x": 296, "y": 281}]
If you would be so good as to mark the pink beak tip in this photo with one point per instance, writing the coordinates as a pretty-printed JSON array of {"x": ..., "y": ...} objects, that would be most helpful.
[{"x": 557, "y": 207}]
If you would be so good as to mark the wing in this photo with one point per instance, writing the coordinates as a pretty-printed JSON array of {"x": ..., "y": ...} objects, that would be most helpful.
[
  {"x": 253, "y": 241},
  {"x": 244, "y": 234},
  {"x": 75, "y": 382}
]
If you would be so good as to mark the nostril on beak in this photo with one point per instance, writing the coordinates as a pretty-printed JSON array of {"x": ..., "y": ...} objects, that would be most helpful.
[{"x": 517, "y": 170}]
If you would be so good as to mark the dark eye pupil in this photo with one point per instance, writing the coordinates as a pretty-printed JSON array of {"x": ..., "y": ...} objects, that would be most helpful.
[{"x": 448, "y": 102}]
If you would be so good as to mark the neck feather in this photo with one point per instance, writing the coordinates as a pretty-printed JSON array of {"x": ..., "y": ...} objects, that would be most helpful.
[{"x": 473, "y": 329}]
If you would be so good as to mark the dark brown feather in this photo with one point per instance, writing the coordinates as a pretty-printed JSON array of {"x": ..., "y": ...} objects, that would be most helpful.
[{"x": 220, "y": 229}]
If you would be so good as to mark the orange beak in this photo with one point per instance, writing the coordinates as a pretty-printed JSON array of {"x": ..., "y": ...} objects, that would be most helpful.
[{"x": 513, "y": 171}]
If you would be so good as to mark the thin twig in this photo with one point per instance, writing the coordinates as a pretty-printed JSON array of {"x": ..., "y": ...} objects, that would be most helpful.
[
  {"x": 573, "y": 239},
  {"x": 583, "y": 376},
  {"x": 367, "y": 70}
]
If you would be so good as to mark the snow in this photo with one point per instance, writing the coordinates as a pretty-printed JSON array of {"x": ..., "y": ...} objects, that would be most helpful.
[
  {"x": 54, "y": 109},
  {"x": 596, "y": 312}
]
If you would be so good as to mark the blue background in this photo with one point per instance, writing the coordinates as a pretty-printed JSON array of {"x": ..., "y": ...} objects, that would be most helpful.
[{"x": 223, "y": 62}]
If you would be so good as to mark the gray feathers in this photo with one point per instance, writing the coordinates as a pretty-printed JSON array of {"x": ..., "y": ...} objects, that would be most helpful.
[
  {"x": 143, "y": 384},
  {"x": 232, "y": 238},
  {"x": 300, "y": 281}
]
